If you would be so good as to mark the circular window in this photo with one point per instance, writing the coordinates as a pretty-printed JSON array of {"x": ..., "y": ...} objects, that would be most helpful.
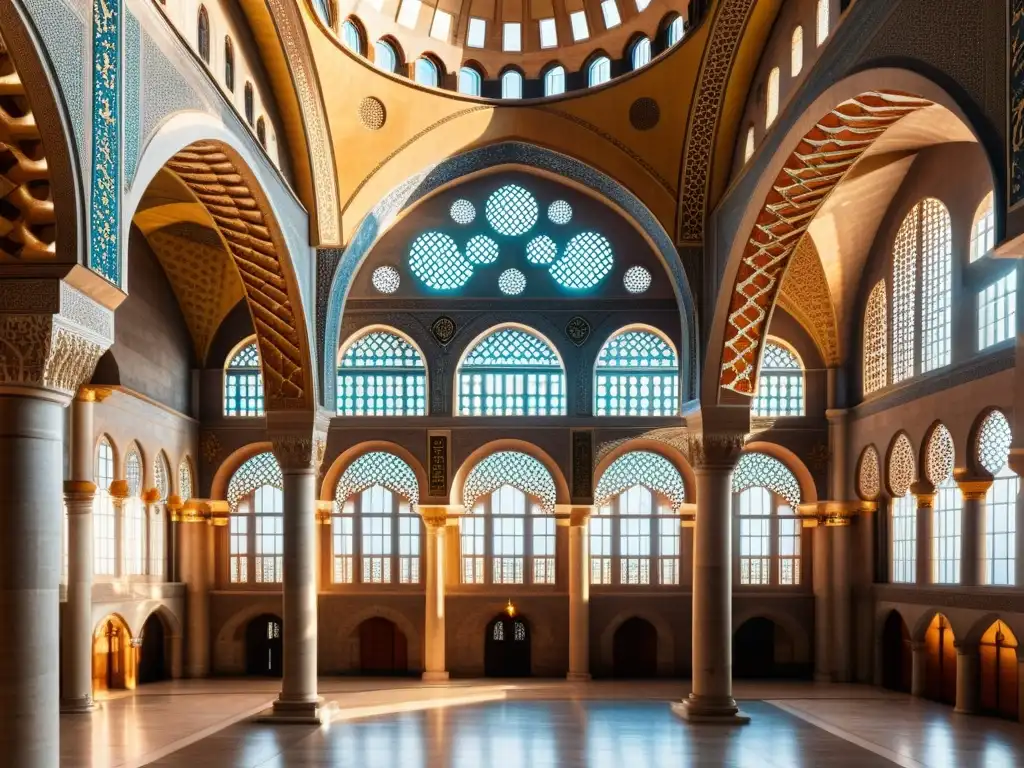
[
  {"x": 636, "y": 280},
  {"x": 512, "y": 282},
  {"x": 463, "y": 212},
  {"x": 511, "y": 210},
  {"x": 482, "y": 250},
  {"x": 541, "y": 250},
  {"x": 386, "y": 279},
  {"x": 586, "y": 262},
  {"x": 560, "y": 212},
  {"x": 435, "y": 259}
]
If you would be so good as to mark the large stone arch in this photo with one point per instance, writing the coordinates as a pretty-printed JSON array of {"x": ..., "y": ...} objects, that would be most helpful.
[
  {"x": 338, "y": 268},
  {"x": 521, "y": 446},
  {"x": 344, "y": 460},
  {"x": 813, "y": 159},
  {"x": 228, "y": 467}
]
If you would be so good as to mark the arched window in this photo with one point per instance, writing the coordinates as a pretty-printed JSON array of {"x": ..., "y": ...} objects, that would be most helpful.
[
  {"x": 511, "y": 372},
  {"x": 674, "y": 33},
  {"x": 822, "y": 21},
  {"x": 903, "y": 511},
  {"x": 425, "y": 72},
  {"x": 640, "y": 55},
  {"x": 186, "y": 489},
  {"x": 352, "y": 36},
  {"x": 983, "y": 230},
  {"x": 796, "y": 56},
  {"x": 243, "y": 382},
  {"x": 766, "y": 495},
  {"x": 771, "y": 109},
  {"x": 600, "y": 71},
  {"x": 134, "y": 516},
  {"x": 381, "y": 373},
  {"x": 876, "y": 340},
  {"x": 374, "y": 522},
  {"x": 203, "y": 34},
  {"x": 999, "y": 545},
  {"x": 509, "y": 498},
  {"x": 904, "y": 297},
  {"x": 946, "y": 520},
  {"x": 780, "y": 384},
  {"x": 229, "y": 64},
  {"x": 323, "y": 10},
  {"x": 384, "y": 56},
  {"x": 261, "y": 132},
  {"x": 470, "y": 81},
  {"x": 635, "y": 530},
  {"x": 936, "y": 285},
  {"x": 748, "y": 147},
  {"x": 511, "y": 85},
  {"x": 104, "y": 526},
  {"x": 256, "y": 521},
  {"x": 637, "y": 374},
  {"x": 250, "y": 104},
  {"x": 157, "y": 518},
  {"x": 554, "y": 81}
]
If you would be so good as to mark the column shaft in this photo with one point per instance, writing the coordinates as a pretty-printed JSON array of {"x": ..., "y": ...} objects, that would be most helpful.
[
  {"x": 918, "y": 668},
  {"x": 435, "y": 665},
  {"x": 966, "y": 680},
  {"x": 974, "y": 490},
  {"x": 31, "y": 433},
  {"x": 579, "y": 599},
  {"x": 195, "y": 534},
  {"x": 841, "y": 603},
  {"x": 822, "y": 584},
  {"x": 925, "y": 515}
]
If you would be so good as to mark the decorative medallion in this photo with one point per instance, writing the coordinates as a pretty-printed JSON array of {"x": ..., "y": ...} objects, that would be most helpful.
[
  {"x": 209, "y": 446},
  {"x": 578, "y": 330},
  {"x": 644, "y": 113},
  {"x": 443, "y": 330},
  {"x": 372, "y": 113}
]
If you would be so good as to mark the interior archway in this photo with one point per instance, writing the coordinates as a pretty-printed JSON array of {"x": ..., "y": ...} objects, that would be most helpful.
[
  {"x": 383, "y": 648},
  {"x": 153, "y": 654},
  {"x": 635, "y": 649},
  {"x": 507, "y": 647},
  {"x": 763, "y": 648},
  {"x": 114, "y": 661},
  {"x": 999, "y": 672},
  {"x": 940, "y": 664},
  {"x": 897, "y": 653}
]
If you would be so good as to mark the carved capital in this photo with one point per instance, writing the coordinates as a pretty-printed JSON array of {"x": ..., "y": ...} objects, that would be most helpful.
[
  {"x": 973, "y": 485},
  {"x": 299, "y": 439},
  {"x": 924, "y": 492},
  {"x": 94, "y": 394},
  {"x": 578, "y": 516},
  {"x": 81, "y": 491},
  {"x": 434, "y": 517},
  {"x": 714, "y": 450}
]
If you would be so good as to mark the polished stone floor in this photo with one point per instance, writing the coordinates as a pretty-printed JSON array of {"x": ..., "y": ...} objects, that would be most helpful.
[{"x": 475, "y": 724}]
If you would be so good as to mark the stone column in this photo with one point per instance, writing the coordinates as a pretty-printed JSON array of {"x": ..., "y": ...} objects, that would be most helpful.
[
  {"x": 195, "y": 535},
  {"x": 118, "y": 494},
  {"x": 838, "y": 527},
  {"x": 918, "y": 667},
  {"x": 972, "y": 527},
  {"x": 713, "y": 456},
  {"x": 174, "y": 506},
  {"x": 579, "y": 594},
  {"x": 822, "y": 585},
  {"x": 151, "y": 500},
  {"x": 966, "y": 679},
  {"x": 299, "y": 447},
  {"x": 434, "y": 660},
  {"x": 924, "y": 492},
  {"x": 1016, "y": 462}
]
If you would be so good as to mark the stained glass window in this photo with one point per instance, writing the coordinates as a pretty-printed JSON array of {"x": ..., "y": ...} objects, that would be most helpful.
[
  {"x": 554, "y": 81},
  {"x": 999, "y": 544},
  {"x": 587, "y": 260},
  {"x": 499, "y": 631},
  {"x": 482, "y": 250},
  {"x": 937, "y": 285},
  {"x": 381, "y": 373},
  {"x": 511, "y": 210},
  {"x": 519, "y": 631},
  {"x": 541, "y": 250},
  {"x": 255, "y": 524},
  {"x": 185, "y": 479},
  {"x": 384, "y": 56},
  {"x": 469, "y": 81},
  {"x": 822, "y": 19},
  {"x": 903, "y": 511},
  {"x": 515, "y": 468},
  {"x": 637, "y": 374},
  {"x": 351, "y": 36},
  {"x": 769, "y": 531},
  {"x": 780, "y": 385},
  {"x": 796, "y": 62},
  {"x": 511, "y": 85},
  {"x": 511, "y": 372},
  {"x": 636, "y": 279},
  {"x": 904, "y": 297},
  {"x": 104, "y": 528},
  {"x": 674, "y": 33},
  {"x": 133, "y": 471},
  {"x": 983, "y": 233},
  {"x": 243, "y": 383},
  {"x": 869, "y": 476},
  {"x": 947, "y": 515},
  {"x": 436, "y": 260},
  {"x": 515, "y": 531},
  {"x": 772, "y": 97},
  {"x": 645, "y": 468},
  {"x": 997, "y": 311},
  {"x": 876, "y": 340},
  {"x": 512, "y": 282},
  {"x": 134, "y": 516},
  {"x": 600, "y": 70}
]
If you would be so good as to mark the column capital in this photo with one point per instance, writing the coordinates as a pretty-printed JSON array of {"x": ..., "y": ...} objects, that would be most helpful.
[
  {"x": 91, "y": 393},
  {"x": 716, "y": 450},
  {"x": 837, "y": 414},
  {"x": 576, "y": 514},
  {"x": 299, "y": 438},
  {"x": 924, "y": 492},
  {"x": 151, "y": 496},
  {"x": 79, "y": 490},
  {"x": 324, "y": 510},
  {"x": 436, "y": 515},
  {"x": 973, "y": 485},
  {"x": 174, "y": 504},
  {"x": 118, "y": 490}
]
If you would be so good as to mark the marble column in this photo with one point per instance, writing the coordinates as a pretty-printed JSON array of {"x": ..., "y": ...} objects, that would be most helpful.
[
  {"x": 966, "y": 679},
  {"x": 822, "y": 586},
  {"x": 118, "y": 495},
  {"x": 918, "y": 667},
  {"x": 972, "y": 528},
  {"x": 195, "y": 535},
  {"x": 579, "y": 595},
  {"x": 924, "y": 492},
  {"x": 79, "y": 495},
  {"x": 434, "y": 660},
  {"x": 714, "y": 456},
  {"x": 842, "y": 608}
]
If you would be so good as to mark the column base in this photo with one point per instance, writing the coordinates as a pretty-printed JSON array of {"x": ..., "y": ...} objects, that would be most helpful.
[
  {"x": 435, "y": 677},
  {"x": 298, "y": 712},
  {"x": 80, "y": 706},
  {"x": 578, "y": 677},
  {"x": 962, "y": 711},
  {"x": 710, "y": 709}
]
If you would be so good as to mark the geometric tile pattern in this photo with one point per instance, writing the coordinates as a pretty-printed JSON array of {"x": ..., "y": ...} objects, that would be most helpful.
[
  {"x": 520, "y": 470},
  {"x": 994, "y": 439},
  {"x": 902, "y": 467},
  {"x": 651, "y": 470},
  {"x": 759, "y": 470},
  {"x": 378, "y": 468},
  {"x": 869, "y": 476},
  {"x": 805, "y": 295},
  {"x": 817, "y": 165},
  {"x": 940, "y": 456},
  {"x": 262, "y": 469}
]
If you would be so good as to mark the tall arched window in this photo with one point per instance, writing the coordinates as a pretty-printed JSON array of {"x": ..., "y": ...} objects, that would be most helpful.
[
  {"x": 822, "y": 21},
  {"x": 104, "y": 527},
  {"x": 243, "y": 382},
  {"x": 999, "y": 545},
  {"x": 748, "y": 147},
  {"x": 554, "y": 81},
  {"x": 134, "y": 516},
  {"x": 352, "y": 36},
  {"x": 771, "y": 108},
  {"x": 947, "y": 514},
  {"x": 634, "y": 534},
  {"x": 509, "y": 498},
  {"x": 511, "y": 85},
  {"x": 250, "y": 104},
  {"x": 599, "y": 71},
  {"x": 796, "y": 56},
  {"x": 381, "y": 373},
  {"x": 384, "y": 56},
  {"x": 425, "y": 72},
  {"x": 983, "y": 230},
  {"x": 375, "y": 524},
  {"x": 203, "y": 34},
  {"x": 256, "y": 521},
  {"x": 876, "y": 340},
  {"x": 640, "y": 55},
  {"x": 904, "y": 297},
  {"x": 323, "y": 10},
  {"x": 903, "y": 511},
  {"x": 511, "y": 372},
  {"x": 674, "y": 33},
  {"x": 766, "y": 495},
  {"x": 157, "y": 518},
  {"x": 936, "y": 285},
  {"x": 186, "y": 490},
  {"x": 997, "y": 310},
  {"x": 229, "y": 64},
  {"x": 637, "y": 374},
  {"x": 780, "y": 384},
  {"x": 261, "y": 132},
  {"x": 470, "y": 81}
]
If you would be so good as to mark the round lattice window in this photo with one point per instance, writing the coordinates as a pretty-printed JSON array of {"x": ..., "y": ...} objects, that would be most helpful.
[
  {"x": 435, "y": 259},
  {"x": 463, "y": 212},
  {"x": 386, "y": 279},
  {"x": 940, "y": 458},
  {"x": 585, "y": 263},
  {"x": 994, "y": 440},
  {"x": 372, "y": 113},
  {"x": 901, "y": 466},
  {"x": 644, "y": 113},
  {"x": 541, "y": 250},
  {"x": 636, "y": 280},
  {"x": 512, "y": 282},
  {"x": 560, "y": 212},
  {"x": 511, "y": 210},
  {"x": 482, "y": 250},
  {"x": 869, "y": 480}
]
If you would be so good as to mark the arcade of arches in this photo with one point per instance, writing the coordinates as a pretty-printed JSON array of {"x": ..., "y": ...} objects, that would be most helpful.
[{"x": 624, "y": 340}]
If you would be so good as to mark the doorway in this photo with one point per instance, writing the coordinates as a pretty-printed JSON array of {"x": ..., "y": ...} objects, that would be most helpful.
[
  {"x": 507, "y": 647},
  {"x": 940, "y": 663},
  {"x": 152, "y": 654},
  {"x": 998, "y": 667},
  {"x": 113, "y": 657},
  {"x": 897, "y": 654},
  {"x": 635, "y": 649},
  {"x": 383, "y": 649},
  {"x": 263, "y": 646}
]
